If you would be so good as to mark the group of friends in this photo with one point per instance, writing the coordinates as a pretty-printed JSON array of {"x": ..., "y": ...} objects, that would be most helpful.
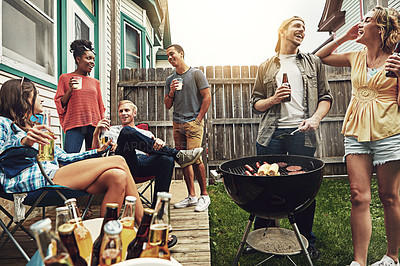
[{"x": 371, "y": 126}]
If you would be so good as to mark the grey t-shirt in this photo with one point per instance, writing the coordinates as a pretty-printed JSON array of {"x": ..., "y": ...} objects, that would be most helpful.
[{"x": 187, "y": 101}]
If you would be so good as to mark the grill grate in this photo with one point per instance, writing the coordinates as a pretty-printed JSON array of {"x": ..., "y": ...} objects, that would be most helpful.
[{"x": 240, "y": 170}]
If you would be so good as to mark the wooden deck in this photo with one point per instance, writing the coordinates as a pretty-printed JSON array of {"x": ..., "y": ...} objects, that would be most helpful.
[{"x": 191, "y": 228}]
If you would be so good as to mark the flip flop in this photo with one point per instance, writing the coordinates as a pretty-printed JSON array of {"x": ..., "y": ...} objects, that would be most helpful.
[{"x": 172, "y": 242}]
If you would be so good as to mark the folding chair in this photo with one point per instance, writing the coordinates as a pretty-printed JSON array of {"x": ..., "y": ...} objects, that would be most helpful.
[
  {"x": 51, "y": 195},
  {"x": 139, "y": 180}
]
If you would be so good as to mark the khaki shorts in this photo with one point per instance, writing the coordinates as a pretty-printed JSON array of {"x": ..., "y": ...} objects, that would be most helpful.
[{"x": 189, "y": 135}]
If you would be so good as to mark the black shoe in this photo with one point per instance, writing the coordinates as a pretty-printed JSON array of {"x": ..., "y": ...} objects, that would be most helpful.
[
  {"x": 313, "y": 251},
  {"x": 249, "y": 250},
  {"x": 172, "y": 242}
]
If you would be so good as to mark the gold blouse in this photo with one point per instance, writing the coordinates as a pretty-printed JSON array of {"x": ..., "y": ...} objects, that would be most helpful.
[{"x": 373, "y": 112}]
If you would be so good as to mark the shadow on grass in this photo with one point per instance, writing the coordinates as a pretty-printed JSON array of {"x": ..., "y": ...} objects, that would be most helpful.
[{"x": 331, "y": 226}]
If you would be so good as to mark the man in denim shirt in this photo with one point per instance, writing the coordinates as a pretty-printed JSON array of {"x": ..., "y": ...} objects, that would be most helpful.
[{"x": 310, "y": 102}]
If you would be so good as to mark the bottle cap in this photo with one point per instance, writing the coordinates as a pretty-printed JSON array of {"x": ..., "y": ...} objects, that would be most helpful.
[
  {"x": 42, "y": 224},
  {"x": 130, "y": 198},
  {"x": 112, "y": 205},
  {"x": 113, "y": 227},
  {"x": 65, "y": 229},
  {"x": 70, "y": 200},
  {"x": 62, "y": 208},
  {"x": 148, "y": 211},
  {"x": 164, "y": 195}
]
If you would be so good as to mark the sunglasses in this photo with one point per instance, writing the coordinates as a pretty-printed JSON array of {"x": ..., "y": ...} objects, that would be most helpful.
[{"x": 25, "y": 79}]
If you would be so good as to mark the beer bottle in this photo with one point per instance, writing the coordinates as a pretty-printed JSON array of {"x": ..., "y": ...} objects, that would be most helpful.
[
  {"x": 62, "y": 216},
  {"x": 82, "y": 234},
  {"x": 111, "y": 246},
  {"x": 137, "y": 245},
  {"x": 157, "y": 245},
  {"x": 391, "y": 74},
  {"x": 45, "y": 240},
  {"x": 128, "y": 223},
  {"x": 285, "y": 81},
  {"x": 111, "y": 214},
  {"x": 66, "y": 233}
]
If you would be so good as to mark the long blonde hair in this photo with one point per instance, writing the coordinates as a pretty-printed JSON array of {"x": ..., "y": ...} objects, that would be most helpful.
[{"x": 387, "y": 20}]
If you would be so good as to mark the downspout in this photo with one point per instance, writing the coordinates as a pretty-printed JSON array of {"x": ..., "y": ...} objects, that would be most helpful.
[{"x": 114, "y": 64}]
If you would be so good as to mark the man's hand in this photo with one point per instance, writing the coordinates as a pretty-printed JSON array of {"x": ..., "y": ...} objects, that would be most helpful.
[
  {"x": 36, "y": 134},
  {"x": 393, "y": 64},
  {"x": 158, "y": 144},
  {"x": 281, "y": 93},
  {"x": 310, "y": 124}
]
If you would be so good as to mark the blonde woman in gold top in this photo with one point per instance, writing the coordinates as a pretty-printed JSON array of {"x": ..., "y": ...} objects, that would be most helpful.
[{"x": 372, "y": 127}]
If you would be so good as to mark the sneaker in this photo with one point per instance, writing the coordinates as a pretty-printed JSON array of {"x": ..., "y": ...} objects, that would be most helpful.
[
  {"x": 313, "y": 251},
  {"x": 203, "y": 203},
  {"x": 188, "y": 157},
  {"x": 354, "y": 263},
  {"x": 386, "y": 261},
  {"x": 187, "y": 202}
]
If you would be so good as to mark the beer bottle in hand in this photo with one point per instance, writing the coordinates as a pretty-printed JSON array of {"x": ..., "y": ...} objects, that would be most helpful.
[
  {"x": 66, "y": 233},
  {"x": 111, "y": 214},
  {"x": 391, "y": 74},
  {"x": 157, "y": 246},
  {"x": 285, "y": 81},
  {"x": 128, "y": 223},
  {"x": 137, "y": 245},
  {"x": 46, "y": 240}
]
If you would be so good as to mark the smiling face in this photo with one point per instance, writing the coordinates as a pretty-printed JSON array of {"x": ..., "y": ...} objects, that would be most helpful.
[
  {"x": 175, "y": 58},
  {"x": 293, "y": 34},
  {"x": 86, "y": 62},
  {"x": 127, "y": 114},
  {"x": 368, "y": 30}
]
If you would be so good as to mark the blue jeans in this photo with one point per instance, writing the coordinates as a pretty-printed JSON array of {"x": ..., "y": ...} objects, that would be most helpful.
[
  {"x": 158, "y": 163},
  {"x": 292, "y": 145},
  {"x": 74, "y": 138}
]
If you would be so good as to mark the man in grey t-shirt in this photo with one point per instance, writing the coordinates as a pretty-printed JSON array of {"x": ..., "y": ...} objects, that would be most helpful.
[{"x": 191, "y": 102}]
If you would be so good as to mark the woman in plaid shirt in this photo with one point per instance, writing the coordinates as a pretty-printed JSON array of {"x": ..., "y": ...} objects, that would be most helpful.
[{"x": 88, "y": 171}]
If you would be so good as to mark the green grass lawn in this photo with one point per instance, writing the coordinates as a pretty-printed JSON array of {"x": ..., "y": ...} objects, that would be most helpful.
[{"x": 331, "y": 226}]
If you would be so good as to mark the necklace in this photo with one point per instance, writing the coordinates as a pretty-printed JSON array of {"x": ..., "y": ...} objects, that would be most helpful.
[{"x": 375, "y": 64}]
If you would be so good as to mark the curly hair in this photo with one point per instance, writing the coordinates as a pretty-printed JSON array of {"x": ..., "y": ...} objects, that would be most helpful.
[
  {"x": 388, "y": 20},
  {"x": 14, "y": 101},
  {"x": 79, "y": 47}
]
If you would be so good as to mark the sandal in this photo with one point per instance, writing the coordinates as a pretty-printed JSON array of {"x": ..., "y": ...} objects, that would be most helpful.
[{"x": 172, "y": 240}]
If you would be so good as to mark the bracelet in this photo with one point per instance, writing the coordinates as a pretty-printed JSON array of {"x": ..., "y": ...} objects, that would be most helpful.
[
  {"x": 173, "y": 98},
  {"x": 336, "y": 42}
]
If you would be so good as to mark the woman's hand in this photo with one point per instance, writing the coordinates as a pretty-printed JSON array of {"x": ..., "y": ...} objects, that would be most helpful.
[
  {"x": 36, "y": 134},
  {"x": 73, "y": 83},
  {"x": 393, "y": 64},
  {"x": 352, "y": 33}
]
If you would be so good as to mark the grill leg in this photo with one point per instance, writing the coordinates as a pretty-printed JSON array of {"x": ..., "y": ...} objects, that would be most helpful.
[
  {"x": 245, "y": 235},
  {"x": 298, "y": 235}
]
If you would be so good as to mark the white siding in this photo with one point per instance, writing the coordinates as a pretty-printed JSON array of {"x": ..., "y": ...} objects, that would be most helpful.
[
  {"x": 132, "y": 10},
  {"x": 352, "y": 17},
  {"x": 395, "y": 4}
]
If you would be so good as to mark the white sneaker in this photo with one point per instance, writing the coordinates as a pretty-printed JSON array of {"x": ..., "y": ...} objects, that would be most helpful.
[
  {"x": 204, "y": 201},
  {"x": 386, "y": 261},
  {"x": 354, "y": 263},
  {"x": 187, "y": 202}
]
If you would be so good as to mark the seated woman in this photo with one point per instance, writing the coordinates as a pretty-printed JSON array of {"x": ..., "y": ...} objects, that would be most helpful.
[{"x": 19, "y": 100}]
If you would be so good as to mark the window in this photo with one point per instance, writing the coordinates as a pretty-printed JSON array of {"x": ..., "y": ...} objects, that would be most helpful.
[
  {"x": 28, "y": 35},
  {"x": 149, "y": 55},
  {"x": 370, "y": 4},
  {"x": 81, "y": 29},
  {"x": 132, "y": 47},
  {"x": 89, "y": 5}
]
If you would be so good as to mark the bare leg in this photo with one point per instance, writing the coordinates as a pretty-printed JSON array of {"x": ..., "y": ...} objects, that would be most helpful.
[
  {"x": 389, "y": 185},
  {"x": 359, "y": 169},
  {"x": 109, "y": 176},
  {"x": 189, "y": 180},
  {"x": 200, "y": 173}
]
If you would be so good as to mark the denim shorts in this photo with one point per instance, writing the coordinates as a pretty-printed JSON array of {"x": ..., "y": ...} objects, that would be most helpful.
[{"x": 382, "y": 150}]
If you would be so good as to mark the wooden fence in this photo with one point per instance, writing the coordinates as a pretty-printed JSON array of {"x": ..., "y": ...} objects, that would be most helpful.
[{"x": 231, "y": 127}]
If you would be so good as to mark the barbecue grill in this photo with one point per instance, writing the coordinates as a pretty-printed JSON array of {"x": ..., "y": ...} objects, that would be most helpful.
[{"x": 272, "y": 197}]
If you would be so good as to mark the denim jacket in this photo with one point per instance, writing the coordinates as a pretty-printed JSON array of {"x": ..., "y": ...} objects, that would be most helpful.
[{"x": 316, "y": 89}]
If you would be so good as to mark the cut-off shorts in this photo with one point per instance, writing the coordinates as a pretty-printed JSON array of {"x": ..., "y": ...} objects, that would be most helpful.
[
  {"x": 188, "y": 135},
  {"x": 382, "y": 150}
]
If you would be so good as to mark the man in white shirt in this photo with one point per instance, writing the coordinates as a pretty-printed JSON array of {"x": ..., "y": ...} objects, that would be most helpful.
[{"x": 144, "y": 154}]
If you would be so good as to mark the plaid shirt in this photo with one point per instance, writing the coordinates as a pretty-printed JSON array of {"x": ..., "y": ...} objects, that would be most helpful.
[{"x": 31, "y": 178}]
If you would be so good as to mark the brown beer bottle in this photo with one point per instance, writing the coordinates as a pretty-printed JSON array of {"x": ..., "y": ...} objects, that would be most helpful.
[
  {"x": 137, "y": 245},
  {"x": 111, "y": 214},
  {"x": 66, "y": 233},
  {"x": 391, "y": 74},
  {"x": 285, "y": 81}
]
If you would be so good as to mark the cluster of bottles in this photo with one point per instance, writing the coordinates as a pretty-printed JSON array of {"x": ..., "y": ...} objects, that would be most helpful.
[{"x": 71, "y": 243}]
